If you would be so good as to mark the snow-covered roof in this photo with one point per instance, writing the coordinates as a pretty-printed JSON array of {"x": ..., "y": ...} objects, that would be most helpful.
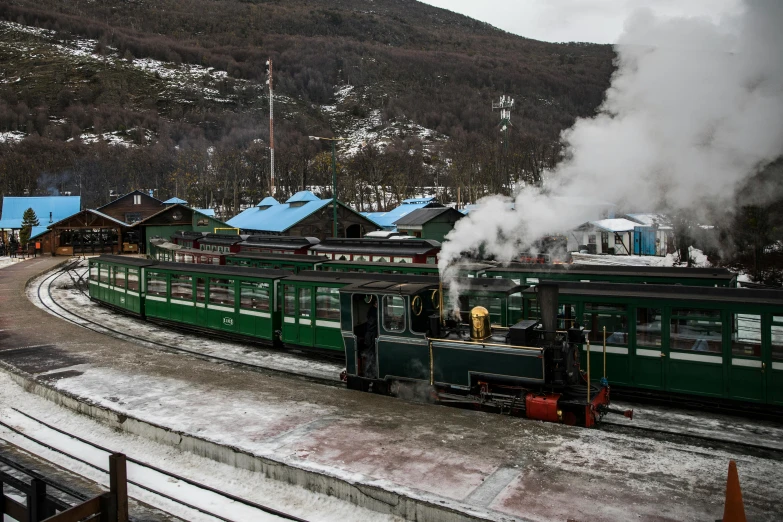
[
  {"x": 174, "y": 201},
  {"x": 648, "y": 219},
  {"x": 386, "y": 220},
  {"x": 611, "y": 225}
]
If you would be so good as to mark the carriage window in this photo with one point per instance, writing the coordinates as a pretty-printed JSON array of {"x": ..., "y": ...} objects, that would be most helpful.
[
  {"x": 403, "y": 259},
  {"x": 201, "y": 290},
  {"x": 216, "y": 260},
  {"x": 777, "y": 337},
  {"x": 492, "y": 304},
  {"x": 697, "y": 330},
  {"x": 514, "y": 308},
  {"x": 381, "y": 259},
  {"x": 181, "y": 286},
  {"x": 221, "y": 291},
  {"x": 254, "y": 296},
  {"x": 566, "y": 317},
  {"x": 327, "y": 303},
  {"x": 289, "y": 304},
  {"x": 133, "y": 279},
  {"x": 394, "y": 313},
  {"x": 613, "y": 317},
  {"x": 746, "y": 335},
  {"x": 104, "y": 274},
  {"x": 648, "y": 327},
  {"x": 304, "y": 301},
  {"x": 360, "y": 258},
  {"x": 119, "y": 277},
  {"x": 430, "y": 260},
  {"x": 94, "y": 272},
  {"x": 156, "y": 284}
]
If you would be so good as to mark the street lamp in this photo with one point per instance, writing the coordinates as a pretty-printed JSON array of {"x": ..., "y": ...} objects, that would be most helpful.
[{"x": 334, "y": 179}]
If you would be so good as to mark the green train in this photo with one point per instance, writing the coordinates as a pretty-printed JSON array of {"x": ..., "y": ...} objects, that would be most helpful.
[{"x": 724, "y": 344}]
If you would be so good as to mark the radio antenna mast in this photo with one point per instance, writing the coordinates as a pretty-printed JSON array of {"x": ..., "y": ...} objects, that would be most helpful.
[
  {"x": 504, "y": 106},
  {"x": 271, "y": 131}
]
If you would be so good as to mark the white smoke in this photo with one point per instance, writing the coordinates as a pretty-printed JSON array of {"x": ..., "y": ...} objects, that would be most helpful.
[{"x": 694, "y": 109}]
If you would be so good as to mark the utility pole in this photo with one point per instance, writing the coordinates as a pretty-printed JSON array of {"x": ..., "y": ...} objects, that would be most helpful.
[
  {"x": 271, "y": 131},
  {"x": 334, "y": 179}
]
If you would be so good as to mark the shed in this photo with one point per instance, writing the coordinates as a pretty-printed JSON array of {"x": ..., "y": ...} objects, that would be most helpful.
[
  {"x": 386, "y": 219},
  {"x": 654, "y": 236},
  {"x": 303, "y": 214},
  {"x": 429, "y": 223},
  {"x": 132, "y": 207},
  {"x": 172, "y": 219},
  {"x": 605, "y": 236},
  {"x": 86, "y": 232}
]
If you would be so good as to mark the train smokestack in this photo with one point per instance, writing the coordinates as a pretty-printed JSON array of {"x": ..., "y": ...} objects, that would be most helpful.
[{"x": 547, "y": 302}]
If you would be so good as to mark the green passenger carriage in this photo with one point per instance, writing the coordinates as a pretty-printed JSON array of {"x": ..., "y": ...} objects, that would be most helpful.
[
  {"x": 116, "y": 281},
  {"x": 719, "y": 343},
  {"x": 292, "y": 262}
]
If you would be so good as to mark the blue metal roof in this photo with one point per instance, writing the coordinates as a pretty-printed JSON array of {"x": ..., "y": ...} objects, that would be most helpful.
[
  {"x": 60, "y": 207},
  {"x": 277, "y": 218},
  {"x": 303, "y": 195},
  {"x": 206, "y": 211},
  {"x": 268, "y": 202},
  {"x": 386, "y": 219},
  {"x": 174, "y": 201}
]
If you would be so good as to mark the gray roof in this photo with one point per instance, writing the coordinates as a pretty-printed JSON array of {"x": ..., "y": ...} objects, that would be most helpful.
[{"x": 421, "y": 216}]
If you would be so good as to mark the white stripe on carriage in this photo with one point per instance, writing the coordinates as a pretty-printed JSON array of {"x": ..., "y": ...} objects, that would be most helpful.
[
  {"x": 328, "y": 324},
  {"x": 304, "y": 321},
  {"x": 696, "y": 357},
  {"x": 131, "y": 292},
  {"x": 289, "y": 319},
  {"x": 156, "y": 298},
  {"x": 648, "y": 353},
  {"x": 750, "y": 363},
  {"x": 253, "y": 312},
  {"x": 777, "y": 366},
  {"x": 221, "y": 308},
  {"x": 609, "y": 349}
]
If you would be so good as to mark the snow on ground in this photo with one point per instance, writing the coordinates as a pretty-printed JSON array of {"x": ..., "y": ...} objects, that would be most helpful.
[
  {"x": 11, "y": 136},
  {"x": 8, "y": 261},
  {"x": 65, "y": 294},
  {"x": 245, "y": 484}
]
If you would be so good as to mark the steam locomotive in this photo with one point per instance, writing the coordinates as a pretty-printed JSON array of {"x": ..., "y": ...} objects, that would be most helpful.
[{"x": 530, "y": 369}]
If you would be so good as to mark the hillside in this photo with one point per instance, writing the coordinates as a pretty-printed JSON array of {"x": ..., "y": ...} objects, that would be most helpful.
[{"x": 114, "y": 95}]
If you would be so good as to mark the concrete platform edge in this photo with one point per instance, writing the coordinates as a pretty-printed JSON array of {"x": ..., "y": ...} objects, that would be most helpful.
[{"x": 368, "y": 496}]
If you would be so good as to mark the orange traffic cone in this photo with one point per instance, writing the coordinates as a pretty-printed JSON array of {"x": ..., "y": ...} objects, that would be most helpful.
[{"x": 734, "y": 510}]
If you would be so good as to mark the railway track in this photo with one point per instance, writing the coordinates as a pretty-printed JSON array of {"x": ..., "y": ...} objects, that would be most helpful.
[
  {"x": 171, "y": 487},
  {"x": 47, "y": 300}
]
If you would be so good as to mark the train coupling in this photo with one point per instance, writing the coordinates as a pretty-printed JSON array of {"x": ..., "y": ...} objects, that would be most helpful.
[{"x": 625, "y": 413}]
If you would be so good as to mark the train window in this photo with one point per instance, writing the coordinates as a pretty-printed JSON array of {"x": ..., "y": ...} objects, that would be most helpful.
[
  {"x": 777, "y": 337},
  {"x": 216, "y": 260},
  {"x": 430, "y": 260},
  {"x": 381, "y": 259},
  {"x": 221, "y": 291},
  {"x": 360, "y": 258},
  {"x": 566, "y": 317},
  {"x": 403, "y": 259},
  {"x": 133, "y": 279},
  {"x": 181, "y": 286},
  {"x": 514, "y": 308},
  {"x": 289, "y": 304},
  {"x": 156, "y": 284},
  {"x": 394, "y": 313},
  {"x": 201, "y": 290},
  {"x": 492, "y": 304},
  {"x": 119, "y": 276},
  {"x": 746, "y": 335},
  {"x": 613, "y": 317},
  {"x": 94, "y": 272},
  {"x": 696, "y": 330},
  {"x": 305, "y": 297},
  {"x": 648, "y": 327},
  {"x": 254, "y": 296},
  {"x": 104, "y": 277},
  {"x": 327, "y": 303}
]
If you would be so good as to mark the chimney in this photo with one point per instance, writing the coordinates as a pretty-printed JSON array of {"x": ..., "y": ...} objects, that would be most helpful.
[{"x": 50, "y": 217}]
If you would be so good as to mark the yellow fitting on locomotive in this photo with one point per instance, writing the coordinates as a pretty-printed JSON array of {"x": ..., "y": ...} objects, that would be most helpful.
[{"x": 479, "y": 324}]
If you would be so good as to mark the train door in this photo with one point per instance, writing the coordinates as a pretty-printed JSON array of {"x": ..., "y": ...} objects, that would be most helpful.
[
  {"x": 649, "y": 350},
  {"x": 695, "y": 360},
  {"x": 364, "y": 310},
  {"x": 305, "y": 315},
  {"x": 289, "y": 326},
  {"x": 772, "y": 365},
  {"x": 201, "y": 301},
  {"x": 746, "y": 369}
]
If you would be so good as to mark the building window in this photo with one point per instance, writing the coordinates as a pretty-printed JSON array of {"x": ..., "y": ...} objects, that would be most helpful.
[
  {"x": 137, "y": 199},
  {"x": 132, "y": 217}
]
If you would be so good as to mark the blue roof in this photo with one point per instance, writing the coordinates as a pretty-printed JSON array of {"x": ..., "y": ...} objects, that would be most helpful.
[
  {"x": 174, "y": 201},
  {"x": 206, "y": 211},
  {"x": 268, "y": 202},
  {"x": 387, "y": 219},
  {"x": 60, "y": 207},
  {"x": 303, "y": 195},
  {"x": 276, "y": 218}
]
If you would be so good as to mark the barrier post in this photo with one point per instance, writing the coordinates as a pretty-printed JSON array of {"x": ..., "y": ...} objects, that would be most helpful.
[{"x": 604, "y": 352}]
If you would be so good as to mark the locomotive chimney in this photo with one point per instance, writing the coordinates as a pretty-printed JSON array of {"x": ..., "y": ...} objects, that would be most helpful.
[
  {"x": 547, "y": 302},
  {"x": 479, "y": 324}
]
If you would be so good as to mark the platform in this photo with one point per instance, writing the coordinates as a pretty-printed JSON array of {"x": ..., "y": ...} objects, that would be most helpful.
[{"x": 482, "y": 464}]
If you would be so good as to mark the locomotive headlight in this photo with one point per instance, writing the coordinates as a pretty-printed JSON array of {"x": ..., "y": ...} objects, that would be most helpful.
[{"x": 560, "y": 415}]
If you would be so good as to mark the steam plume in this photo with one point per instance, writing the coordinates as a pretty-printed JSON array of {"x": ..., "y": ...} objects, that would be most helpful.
[{"x": 694, "y": 109}]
